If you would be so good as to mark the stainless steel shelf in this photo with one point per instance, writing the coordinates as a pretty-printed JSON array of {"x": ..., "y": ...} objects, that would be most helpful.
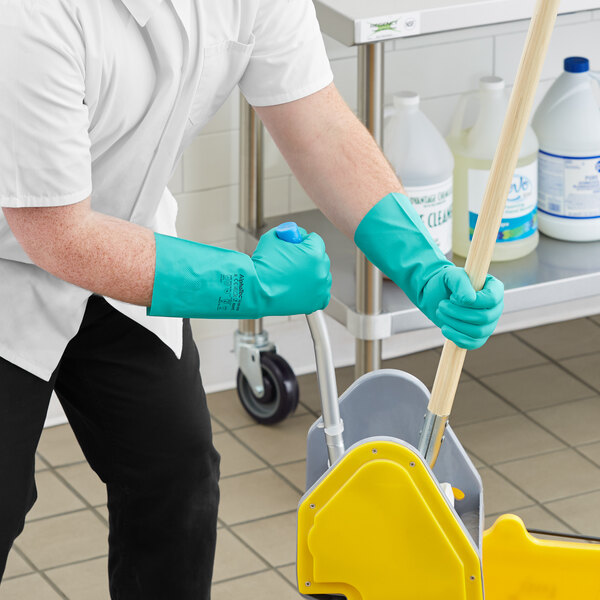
[
  {"x": 354, "y": 22},
  {"x": 556, "y": 272}
]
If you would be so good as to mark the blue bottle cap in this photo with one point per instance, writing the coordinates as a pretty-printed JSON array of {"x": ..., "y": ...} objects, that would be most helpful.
[{"x": 577, "y": 64}]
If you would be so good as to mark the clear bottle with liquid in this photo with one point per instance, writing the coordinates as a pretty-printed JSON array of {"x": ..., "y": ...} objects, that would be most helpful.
[
  {"x": 474, "y": 149},
  {"x": 423, "y": 161}
]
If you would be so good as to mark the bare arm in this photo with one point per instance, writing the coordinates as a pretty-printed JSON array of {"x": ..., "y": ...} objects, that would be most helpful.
[
  {"x": 333, "y": 156},
  {"x": 103, "y": 254}
]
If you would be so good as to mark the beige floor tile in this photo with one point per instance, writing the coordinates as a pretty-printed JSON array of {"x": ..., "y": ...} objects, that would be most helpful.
[
  {"x": 15, "y": 566},
  {"x": 564, "y": 339},
  {"x": 581, "y": 512},
  {"x": 58, "y": 446},
  {"x": 586, "y": 367},
  {"x": 534, "y": 517},
  {"x": 103, "y": 510},
  {"x": 86, "y": 482},
  {"x": 500, "y": 496},
  {"x": 295, "y": 473},
  {"x": 553, "y": 476},
  {"x": 65, "y": 539},
  {"x": 264, "y": 586},
  {"x": 473, "y": 403},
  {"x": 254, "y": 496},
  {"x": 233, "y": 559},
  {"x": 29, "y": 587},
  {"x": 309, "y": 388},
  {"x": 592, "y": 451},
  {"x": 538, "y": 387},
  {"x": 537, "y": 517},
  {"x": 289, "y": 573},
  {"x": 235, "y": 458},
  {"x": 507, "y": 438},
  {"x": 54, "y": 498},
  {"x": 83, "y": 581},
  {"x": 281, "y": 443},
  {"x": 216, "y": 428},
  {"x": 596, "y": 319},
  {"x": 40, "y": 463},
  {"x": 475, "y": 460},
  {"x": 423, "y": 365},
  {"x": 576, "y": 422},
  {"x": 227, "y": 409},
  {"x": 274, "y": 538},
  {"x": 501, "y": 353}
]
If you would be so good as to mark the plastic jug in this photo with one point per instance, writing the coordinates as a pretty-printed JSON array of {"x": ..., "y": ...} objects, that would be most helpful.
[
  {"x": 423, "y": 161},
  {"x": 474, "y": 151},
  {"x": 567, "y": 123}
]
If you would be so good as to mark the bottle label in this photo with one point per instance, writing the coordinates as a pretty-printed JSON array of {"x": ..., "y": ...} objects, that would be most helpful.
[
  {"x": 570, "y": 186},
  {"x": 520, "y": 215},
  {"x": 434, "y": 205}
]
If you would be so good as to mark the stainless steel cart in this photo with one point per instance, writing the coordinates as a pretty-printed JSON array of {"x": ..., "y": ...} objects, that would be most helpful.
[{"x": 372, "y": 309}]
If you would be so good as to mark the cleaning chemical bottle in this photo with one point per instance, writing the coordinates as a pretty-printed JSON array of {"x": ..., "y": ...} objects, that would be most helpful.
[
  {"x": 567, "y": 124},
  {"x": 474, "y": 151},
  {"x": 423, "y": 161}
]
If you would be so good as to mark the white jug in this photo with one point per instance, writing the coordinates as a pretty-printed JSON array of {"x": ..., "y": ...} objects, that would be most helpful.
[
  {"x": 423, "y": 161},
  {"x": 567, "y": 124}
]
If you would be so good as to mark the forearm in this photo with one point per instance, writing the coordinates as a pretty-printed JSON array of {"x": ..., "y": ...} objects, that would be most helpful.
[
  {"x": 333, "y": 156},
  {"x": 105, "y": 255}
]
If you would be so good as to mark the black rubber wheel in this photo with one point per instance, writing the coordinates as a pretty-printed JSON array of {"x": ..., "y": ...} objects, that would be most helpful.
[{"x": 281, "y": 391}]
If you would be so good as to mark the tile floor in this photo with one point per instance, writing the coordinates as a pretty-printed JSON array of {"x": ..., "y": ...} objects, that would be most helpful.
[{"x": 528, "y": 412}]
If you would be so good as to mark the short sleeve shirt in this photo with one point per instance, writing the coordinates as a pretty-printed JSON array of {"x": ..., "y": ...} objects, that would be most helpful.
[{"x": 100, "y": 98}]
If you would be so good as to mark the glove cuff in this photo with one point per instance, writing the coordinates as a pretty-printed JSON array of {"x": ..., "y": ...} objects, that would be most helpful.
[
  {"x": 393, "y": 237},
  {"x": 199, "y": 281}
]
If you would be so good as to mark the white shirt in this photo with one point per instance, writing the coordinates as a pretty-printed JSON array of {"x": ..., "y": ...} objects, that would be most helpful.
[{"x": 100, "y": 98}]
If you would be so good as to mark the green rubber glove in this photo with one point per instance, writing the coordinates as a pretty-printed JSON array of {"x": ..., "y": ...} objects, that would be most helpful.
[
  {"x": 200, "y": 281},
  {"x": 394, "y": 239}
]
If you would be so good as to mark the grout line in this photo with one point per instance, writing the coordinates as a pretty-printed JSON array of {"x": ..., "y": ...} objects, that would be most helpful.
[
  {"x": 250, "y": 521},
  {"x": 553, "y": 361},
  {"x": 243, "y": 576},
  {"x": 36, "y": 571},
  {"x": 58, "y": 515}
]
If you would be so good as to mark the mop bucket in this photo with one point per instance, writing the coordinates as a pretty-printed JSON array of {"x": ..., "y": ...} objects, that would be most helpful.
[
  {"x": 376, "y": 523},
  {"x": 519, "y": 566},
  {"x": 375, "y": 518}
]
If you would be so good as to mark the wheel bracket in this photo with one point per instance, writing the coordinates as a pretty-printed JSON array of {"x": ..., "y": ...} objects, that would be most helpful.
[{"x": 247, "y": 349}]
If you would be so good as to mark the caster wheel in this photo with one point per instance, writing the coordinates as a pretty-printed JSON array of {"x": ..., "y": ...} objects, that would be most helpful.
[{"x": 281, "y": 391}]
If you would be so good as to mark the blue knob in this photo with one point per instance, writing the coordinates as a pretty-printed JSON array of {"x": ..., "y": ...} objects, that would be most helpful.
[{"x": 289, "y": 232}]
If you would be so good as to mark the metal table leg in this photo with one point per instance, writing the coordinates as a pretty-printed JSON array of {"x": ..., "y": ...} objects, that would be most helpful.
[
  {"x": 251, "y": 339},
  {"x": 368, "y": 277}
]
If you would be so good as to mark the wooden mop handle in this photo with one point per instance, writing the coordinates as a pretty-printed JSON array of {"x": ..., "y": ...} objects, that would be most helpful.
[{"x": 498, "y": 187}]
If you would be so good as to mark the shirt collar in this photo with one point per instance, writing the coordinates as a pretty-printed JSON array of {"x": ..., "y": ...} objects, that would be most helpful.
[{"x": 142, "y": 10}]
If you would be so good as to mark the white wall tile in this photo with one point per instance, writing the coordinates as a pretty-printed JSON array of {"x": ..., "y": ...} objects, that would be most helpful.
[
  {"x": 345, "y": 79},
  {"x": 571, "y": 40},
  {"x": 211, "y": 161},
  {"x": 228, "y": 116},
  {"x": 274, "y": 165},
  {"x": 337, "y": 50},
  {"x": 208, "y": 216},
  {"x": 176, "y": 183},
  {"x": 437, "y": 70},
  {"x": 277, "y": 196}
]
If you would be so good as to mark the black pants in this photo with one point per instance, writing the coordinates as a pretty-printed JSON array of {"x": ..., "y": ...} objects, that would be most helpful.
[{"x": 141, "y": 419}]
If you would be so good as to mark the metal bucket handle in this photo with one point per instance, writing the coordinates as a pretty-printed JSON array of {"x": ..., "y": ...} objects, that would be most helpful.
[{"x": 333, "y": 424}]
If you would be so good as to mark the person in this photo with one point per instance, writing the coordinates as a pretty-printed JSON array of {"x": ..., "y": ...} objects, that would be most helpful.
[{"x": 97, "y": 102}]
